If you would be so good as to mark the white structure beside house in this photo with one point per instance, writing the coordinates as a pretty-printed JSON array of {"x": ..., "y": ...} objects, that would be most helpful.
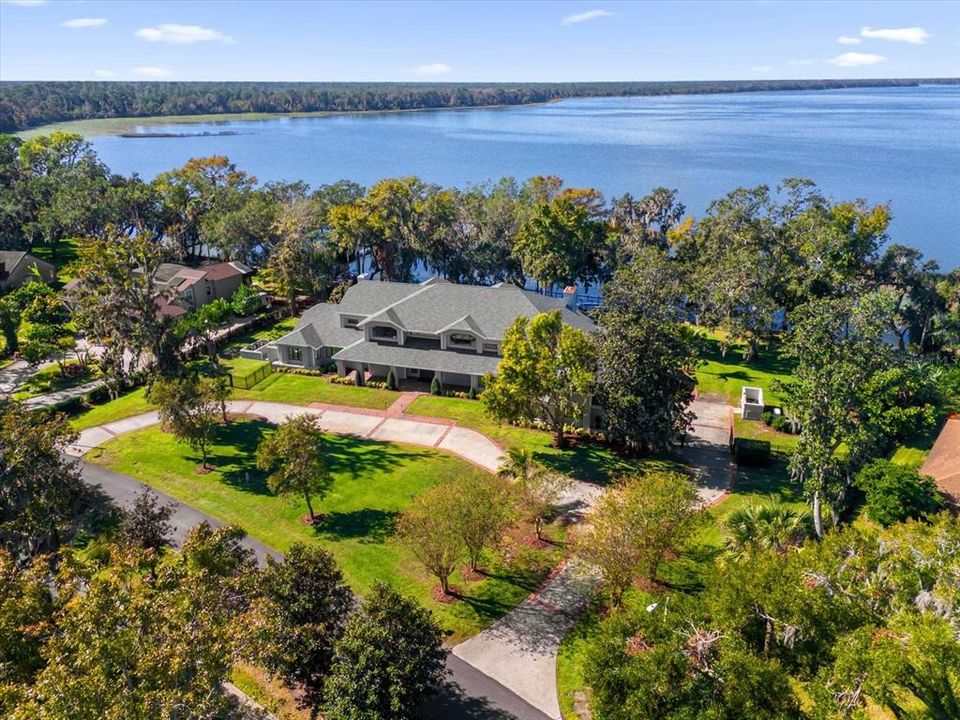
[
  {"x": 418, "y": 330},
  {"x": 751, "y": 403}
]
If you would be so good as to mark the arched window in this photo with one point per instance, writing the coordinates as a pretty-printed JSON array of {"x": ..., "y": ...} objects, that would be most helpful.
[{"x": 462, "y": 339}]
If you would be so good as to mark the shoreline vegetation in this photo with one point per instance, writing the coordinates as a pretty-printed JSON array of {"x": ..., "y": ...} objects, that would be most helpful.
[{"x": 113, "y": 108}]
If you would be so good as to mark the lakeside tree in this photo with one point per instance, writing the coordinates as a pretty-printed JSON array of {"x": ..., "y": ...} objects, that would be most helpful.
[
  {"x": 302, "y": 612},
  {"x": 188, "y": 409},
  {"x": 546, "y": 374},
  {"x": 561, "y": 243},
  {"x": 204, "y": 322},
  {"x": 42, "y": 496},
  {"x": 296, "y": 261},
  {"x": 849, "y": 389},
  {"x": 389, "y": 659},
  {"x": 295, "y": 456},
  {"x": 646, "y": 354},
  {"x": 430, "y": 527},
  {"x": 633, "y": 526}
]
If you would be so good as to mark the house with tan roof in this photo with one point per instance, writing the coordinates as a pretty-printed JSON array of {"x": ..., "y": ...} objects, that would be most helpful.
[
  {"x": 420, "y": 331},
  {"x": 185, "y": 289}
]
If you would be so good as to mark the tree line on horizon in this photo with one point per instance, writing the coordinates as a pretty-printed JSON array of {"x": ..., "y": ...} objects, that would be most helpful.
[{"x": 27, "y": 104}]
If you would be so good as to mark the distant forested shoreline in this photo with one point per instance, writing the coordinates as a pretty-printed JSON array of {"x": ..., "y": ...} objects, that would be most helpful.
[{"x": 30, "y": 104}]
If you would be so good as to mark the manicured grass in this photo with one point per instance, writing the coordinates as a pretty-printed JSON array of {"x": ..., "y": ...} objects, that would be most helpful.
[
  {"x": 267, "y": 692},
  {"x": 61, "y": 256},
  {"x": 133, "y": 403},
  {"x": 781, "y": 443},
  {"x": 373, "y": 483},
  {"x": 583, "y": 460},
  {"x": 305, "y": 389},
  {"x": 728, "y": 375},
  {"x": 51, "y": 379}
]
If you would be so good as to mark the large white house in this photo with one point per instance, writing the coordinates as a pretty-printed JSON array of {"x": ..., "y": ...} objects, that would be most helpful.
[{"x": 418, "y": 330}]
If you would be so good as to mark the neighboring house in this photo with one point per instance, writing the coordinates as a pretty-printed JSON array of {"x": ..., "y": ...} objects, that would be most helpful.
[
  {"x": 16, "y": 268},
  {"x": 420, "y": 331},
  {"x": 192, "y": 287}
]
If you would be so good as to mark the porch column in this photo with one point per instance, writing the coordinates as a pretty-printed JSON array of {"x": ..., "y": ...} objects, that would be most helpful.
[
  {"x": 341, "y": 368},
  {"x": 474, "y": 382}
]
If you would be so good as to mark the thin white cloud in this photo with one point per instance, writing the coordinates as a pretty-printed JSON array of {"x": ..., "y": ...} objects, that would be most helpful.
[
  {"x": 855, "y": 59},
  {"x": 761, "y": 69},
  {"x": 104, "y": 74},
  {"x": 174, "y": 34},
  {"x": 434, "y": 69},
  {"x": 84, "y": 22},
  {"x": 847, "y": 40},
  {"x": 584, "y": 16},
  {"x": 912, "y": 35},
  {"x": 805, "y": 61},
  {"x": 150, "y": 73},
  {"x": 24, "y": 3}
]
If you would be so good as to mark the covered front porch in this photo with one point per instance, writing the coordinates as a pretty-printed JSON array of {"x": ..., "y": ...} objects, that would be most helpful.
[{"x": 411, "y": 378}]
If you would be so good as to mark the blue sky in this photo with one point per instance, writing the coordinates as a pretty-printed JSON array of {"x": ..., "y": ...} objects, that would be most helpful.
[{"x": 475, "y": 41}]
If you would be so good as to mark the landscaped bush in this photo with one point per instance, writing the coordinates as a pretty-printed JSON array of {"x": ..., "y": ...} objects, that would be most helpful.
[
  {"x": 472, "y": 393},
  {"x": 896, "y": 493},
  {"x": 779, "y": 423},
  {"x": 310, "y": 372},
  {"x": 747, "y": 451},
  {"x": 391, "y": 381},
  {"x": 435, "y": 387},
  {"x": 342, "y": 380},
  {"x": 98, "y": 395},
  {"x": 767, "y": 417}
]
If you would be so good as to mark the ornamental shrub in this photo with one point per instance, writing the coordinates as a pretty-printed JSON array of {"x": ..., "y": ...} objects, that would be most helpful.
[
  {"x": 896, "y": 493},
  {"x": 435, "y": 388},
  {"x": 391, "y": 381}
]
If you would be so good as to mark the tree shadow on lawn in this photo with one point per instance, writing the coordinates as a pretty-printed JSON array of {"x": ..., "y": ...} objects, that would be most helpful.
[
  {"x": 368, "y": 525},
  {"x": 768, "y": 359},
  {"x": 356, "y": 457},
  {"x": 589, "y": 462}
]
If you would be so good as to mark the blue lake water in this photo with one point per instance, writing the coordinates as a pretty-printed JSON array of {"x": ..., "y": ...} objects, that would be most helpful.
[{"x": 900, "y": 146}]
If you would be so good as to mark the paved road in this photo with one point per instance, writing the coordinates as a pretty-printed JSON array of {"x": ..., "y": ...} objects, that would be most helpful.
[{"x": 122, "y": 489}]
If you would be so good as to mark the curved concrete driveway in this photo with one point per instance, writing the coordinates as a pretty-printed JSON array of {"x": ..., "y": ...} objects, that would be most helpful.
[{"x": 374, "y": 425}]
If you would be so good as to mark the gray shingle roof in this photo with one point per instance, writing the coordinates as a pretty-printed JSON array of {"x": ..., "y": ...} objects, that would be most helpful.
[
  {"x": 319, "y": 326},
  {"x": 433, "y": 306},
  {"x": 419, "y": 356}
]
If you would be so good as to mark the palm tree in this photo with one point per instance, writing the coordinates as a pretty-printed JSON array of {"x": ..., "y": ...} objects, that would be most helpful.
[
  {"x": 518, "y": 464},
  {"x": 766, "y": 526}
]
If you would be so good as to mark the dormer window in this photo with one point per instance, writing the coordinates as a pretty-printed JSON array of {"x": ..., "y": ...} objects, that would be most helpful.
[
  {"x": 462, "y": 340},
  {"x": 351, "y": 322},
  {"x": 384, "y": 332}
]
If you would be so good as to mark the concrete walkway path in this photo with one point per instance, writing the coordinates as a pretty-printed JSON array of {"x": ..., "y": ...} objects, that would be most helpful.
[
  {"x": 55, "y": 398},
  {"x": 465, "y": 443},
  {"x": 520, "y": 650},
  {"x": 707, "y": 450}
]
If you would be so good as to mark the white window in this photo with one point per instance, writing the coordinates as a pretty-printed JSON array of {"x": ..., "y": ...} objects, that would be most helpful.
[
  {"x": 491, "y": 348},
  {"x": 351, "y": 322},
  {"x": 294, "y": 354},
  {"x": 384, "y": 332}
]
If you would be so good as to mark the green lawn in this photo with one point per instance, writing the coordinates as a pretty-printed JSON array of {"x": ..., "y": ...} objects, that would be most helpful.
[
  {"x": 585, "y": 461},
  {"x": 373, "y": 482},
  {"x": 305, "y": 389},
  {"x": 781, "y": 443},
  {"x": 727, "y": 375},
  {"x": 133, "y": 403},
  {"x": 62, "y": 255}
]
